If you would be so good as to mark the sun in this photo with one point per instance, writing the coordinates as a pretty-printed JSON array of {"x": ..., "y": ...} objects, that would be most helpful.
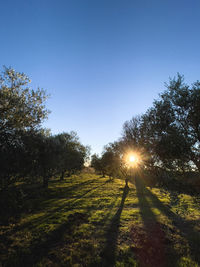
[{"x": 132, "y": 158}]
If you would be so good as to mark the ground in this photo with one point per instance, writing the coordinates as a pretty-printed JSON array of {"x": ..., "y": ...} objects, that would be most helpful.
[{"x": 87, "y": 220}]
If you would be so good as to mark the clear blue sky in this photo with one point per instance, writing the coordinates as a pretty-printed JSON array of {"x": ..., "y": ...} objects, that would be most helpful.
[{"x": 102, "y": 61}]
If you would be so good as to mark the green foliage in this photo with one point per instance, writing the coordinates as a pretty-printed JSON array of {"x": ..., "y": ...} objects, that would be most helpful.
[
  {"x": 110, "y": 163},
  {"x": 97, "y": 164},
  {"x": 107, "y": 164},
  {"x": 175, "y": 125},
  {"x": 27, "y": 151},
  {"x": 22, "y": 110},
  {"x": 72, "y": 154},
  {"x": 169, "y": 132},
  {"x": 21, "y": 107}
]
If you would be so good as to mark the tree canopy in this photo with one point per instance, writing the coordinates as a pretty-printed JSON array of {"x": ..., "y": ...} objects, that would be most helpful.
[{"x": 28, "y": 151}]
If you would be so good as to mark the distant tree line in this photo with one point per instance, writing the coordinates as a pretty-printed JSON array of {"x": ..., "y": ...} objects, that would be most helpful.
[
  {"x": 27, "y": 151},
  {"x": 167, "y": 136}
]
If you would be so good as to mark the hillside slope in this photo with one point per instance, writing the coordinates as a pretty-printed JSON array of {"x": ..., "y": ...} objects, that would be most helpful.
[{"x": 87, "y": 220}]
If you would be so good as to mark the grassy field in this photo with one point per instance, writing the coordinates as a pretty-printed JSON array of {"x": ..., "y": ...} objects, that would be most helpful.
[{"x": 87, "y": 220}]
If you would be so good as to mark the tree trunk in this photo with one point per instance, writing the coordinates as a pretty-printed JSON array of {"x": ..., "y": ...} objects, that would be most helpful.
[
  {"x": 62, "y": 176},
  {"x": 126, "y": 180},
  {"x": 198, "y": 166}
]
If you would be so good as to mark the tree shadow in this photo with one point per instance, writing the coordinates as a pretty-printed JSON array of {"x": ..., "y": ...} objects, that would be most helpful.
[
  {"x": 150, "y": 239},
  {"x": 185, "y": 228},
  {"x": 66, "y": 191},
  {"x": 40, "y": 247},
  {"x": 35, "y": 222},
  {"x": 109, "y": 252},
  {"x": 28, "y": 198}
]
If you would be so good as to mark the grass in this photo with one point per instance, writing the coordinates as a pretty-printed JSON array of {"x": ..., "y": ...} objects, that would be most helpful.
[{"x": 87, "y": 220}]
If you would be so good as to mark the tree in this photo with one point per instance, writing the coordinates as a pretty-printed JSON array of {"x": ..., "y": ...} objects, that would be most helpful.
[
  {"x": 114, "y": 160},
  {"x": 41, "y": 156},
  {"x": 110, "y": 161},
  {"x": 135, "y": 137},
  {"x": 175, "y": 125},
  {"x": 22, "y": 110},
  {"x": 96, "y": 164},
  {"x": 169, "y": 132},
  {"x": 21, "y": 107},
  {"x": 72, "y": 153}
]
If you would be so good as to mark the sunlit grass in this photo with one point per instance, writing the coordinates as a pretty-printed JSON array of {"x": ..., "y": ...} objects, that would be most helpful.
[{"x": 75, "y": 221}]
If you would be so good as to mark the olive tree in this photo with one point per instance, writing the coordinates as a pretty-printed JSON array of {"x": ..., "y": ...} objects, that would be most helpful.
[
  {"x": 22, "y": 110},
  {"x": 72, "y": 154},
  {"x": 175, "y": 125}
]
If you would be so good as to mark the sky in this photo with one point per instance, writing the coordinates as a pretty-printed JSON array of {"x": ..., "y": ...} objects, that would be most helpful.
[{"x": 102, "y": 61}]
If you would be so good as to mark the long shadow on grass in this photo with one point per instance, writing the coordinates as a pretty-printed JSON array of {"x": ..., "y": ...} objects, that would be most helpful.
[
  {"x": 65, "y": 192},
  {"x": 186, "y": 229},
  {"x": 109, "y": 251},
  {"x": 24, "y": 194},
  {"x": 149, "y": 239},
  {"x": 41, "y": 246},
  {"x": 34, "y": 223}
]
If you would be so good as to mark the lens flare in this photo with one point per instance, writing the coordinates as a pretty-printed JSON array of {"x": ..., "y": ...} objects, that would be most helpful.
[{"x": 132, "y": 158}]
